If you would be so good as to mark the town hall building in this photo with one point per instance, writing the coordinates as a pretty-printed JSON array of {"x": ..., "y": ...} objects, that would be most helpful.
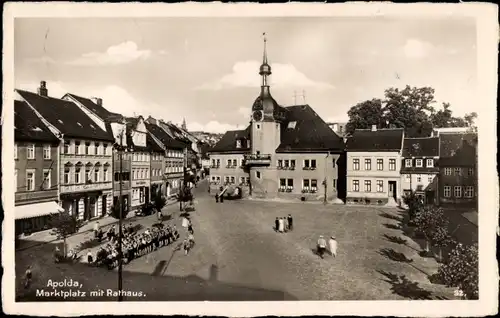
[{"x": 285, "y": 152}]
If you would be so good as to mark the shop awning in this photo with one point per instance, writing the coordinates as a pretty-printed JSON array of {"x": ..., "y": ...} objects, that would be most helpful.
[{"x": 37, "y": 209}]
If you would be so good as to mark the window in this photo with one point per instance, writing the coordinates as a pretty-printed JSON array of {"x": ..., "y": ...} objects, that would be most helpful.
[
  {"x": 292, "y": 163},
  {"x": 419, "y": 178},
  {"x": 87, "y": 148},
  {"x": 15, "y": 151},
  {"x": 247, "y": 180},
  {"x": 96, "y": 175},
  {"x": 30, "y": 180},
  {"x": 287, "y": 164},
  {"x": 242, "y": 180},
  {"x": 314, "y": 184},
  {"x": 469, "y": 192},
  {"x": 447, "y": 171},
  {"x": 66, "y": 147},
  {"x": 96, "y": 148},
  {"x": 306, "y": 163},
  {"x": 334, "y": 163},
  {"x": 77, "y": 148},
  {"x": 408, "y": 163},
  {"x": 447, "y": 191},
  {"x": 228, "y": 163},
  {"x": 238, "y": 143},
  {"x": 380, "y": 185},
  {"x": 282, "y": 184},
  {"x": 457, "y": 191},
  {"x": 66, "y": 176},
  {"x": 218, "y": 162},
  {"x": 235, "y": 162},
  {"x": 289, "y": 183},
  {"x": 78, "y": 175},
  {"x": 280, "y": 163},
  {"x": 30, "y": 151},
  {"x": 458, "y": 171},
  {"x": 257, "y": 174},
  {"x": 419, "y": 163},
  {"x": 355, "y": 185},
  {"x": 105, "y": 149},
  {"x": 226, "y": 179},
  {"x": 335, "y": 183},
  {"x": 258, "y": 126},
  {"x": 46, "y": 179},
  {"x": 233, "y": 180},
  {"x": 213, "y": 162},
  {"x": 392, "y": 164},
  {"x": 355, "y": 164},
  {"x": 368, "y": 186},
  {"x": 470, "y": 171},
  {"x": 368, "y": 164},
  {"x": 305, "y": 184},
  {"x": 429, "y": 163},
  {"x": 380, "y": 164},
  {"x": 313, "y": 163},
  {"x": 88, "y": 174},
  {"x": 430, "y": 178},
  {"x": 46, "y": 152}
]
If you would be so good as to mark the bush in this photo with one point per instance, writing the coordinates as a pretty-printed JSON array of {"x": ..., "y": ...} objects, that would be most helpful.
[
  {"x": 414, "y": 204},
  {"x": 432, "y": 223},
  {"x": 64, "y": 225},
  {"x": 461, "y": 270}
]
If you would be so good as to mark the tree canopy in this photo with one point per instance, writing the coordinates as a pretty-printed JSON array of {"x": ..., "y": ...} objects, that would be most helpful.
[{"x": 411, "y": 108}]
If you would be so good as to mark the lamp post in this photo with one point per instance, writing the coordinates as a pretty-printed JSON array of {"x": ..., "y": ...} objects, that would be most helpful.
[{"x": 120, "y": 219}]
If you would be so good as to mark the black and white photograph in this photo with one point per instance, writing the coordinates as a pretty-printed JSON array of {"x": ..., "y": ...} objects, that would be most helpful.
[{"x": 247, "y": 159}]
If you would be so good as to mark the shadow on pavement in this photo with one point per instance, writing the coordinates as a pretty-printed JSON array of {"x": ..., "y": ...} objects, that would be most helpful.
[
  {"x": 394, "y": 256},
  {"x": 403, "y": 287},
  {"x": 151, "y": 287}
]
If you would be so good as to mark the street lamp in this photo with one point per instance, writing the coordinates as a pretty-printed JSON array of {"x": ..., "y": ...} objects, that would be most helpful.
[{"x": 120, "y": 219}]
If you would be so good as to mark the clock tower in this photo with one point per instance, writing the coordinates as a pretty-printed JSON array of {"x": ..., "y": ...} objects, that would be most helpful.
[{"x": 265, "y": 135}]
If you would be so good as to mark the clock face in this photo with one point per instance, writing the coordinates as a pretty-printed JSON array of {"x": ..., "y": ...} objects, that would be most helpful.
[{"x": 257, "y": 115}]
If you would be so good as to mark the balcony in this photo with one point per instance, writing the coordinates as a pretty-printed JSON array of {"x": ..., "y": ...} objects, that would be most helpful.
[
  {"x": 214, "y": 166},
  {"x": 309, "y": 168},
  {"x": 286, "y": 168},
  {"x": 257, "y": 160}
]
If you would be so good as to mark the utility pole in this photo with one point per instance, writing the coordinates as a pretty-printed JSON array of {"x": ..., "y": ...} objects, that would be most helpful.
[{"x": 120, "y": 232}]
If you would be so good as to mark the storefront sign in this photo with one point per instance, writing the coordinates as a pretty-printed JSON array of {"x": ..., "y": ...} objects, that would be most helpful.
[
  {"x": 86, "y": 187},
  {"x": 140, "y": 183}
]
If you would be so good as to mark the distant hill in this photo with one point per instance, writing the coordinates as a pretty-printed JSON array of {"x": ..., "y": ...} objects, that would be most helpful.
[{"x": 207, "y": 137}]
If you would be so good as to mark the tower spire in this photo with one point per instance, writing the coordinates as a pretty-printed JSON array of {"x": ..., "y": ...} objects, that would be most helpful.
[
  {"x": 264, "y": 59},
  {"x": 265, "y": 68}
]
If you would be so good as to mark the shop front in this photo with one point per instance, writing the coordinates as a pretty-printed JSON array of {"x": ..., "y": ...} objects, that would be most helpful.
[
  {"x": 88, "y": 204},
  {"x": 140, "y": 193},
  {"x": 30, "y": 218}
]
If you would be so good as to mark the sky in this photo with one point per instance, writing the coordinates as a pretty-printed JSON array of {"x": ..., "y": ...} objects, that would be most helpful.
[{"x": 206, "y": 69}]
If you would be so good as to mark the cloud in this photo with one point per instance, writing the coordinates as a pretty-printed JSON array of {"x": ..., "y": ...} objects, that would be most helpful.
[
  {"x": 245, "y": 74},
  {"x": 122, "y": 53},
  {"x": 417, "y": 49},
  {"x": 212, "y": 126},
  {"x": 41, "y": 60}
]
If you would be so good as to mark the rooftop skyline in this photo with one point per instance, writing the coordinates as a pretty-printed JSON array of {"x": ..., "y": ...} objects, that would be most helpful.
[{"x": 206, "y": 69}]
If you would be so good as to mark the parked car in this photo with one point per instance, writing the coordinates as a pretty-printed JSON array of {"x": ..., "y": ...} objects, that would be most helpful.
[{"x": 146, "y": 209}]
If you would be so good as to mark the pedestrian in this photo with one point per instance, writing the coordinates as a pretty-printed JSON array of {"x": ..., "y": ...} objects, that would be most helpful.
[
  {"x": 281, "y": 225},
  {"x": 27, "y": 276},
  {"x": 185, "y": 222},
  {"x": 332, "y": 243},
  {"x": 90, "y": 259},
  {"x": 277, "y": 224},
  {"x": 186, "y": 246},
  {"x": 57, "y": 254},
  {"x": 216, "y": 198},
  {"x": 97, "y": 227},
  {"x": 290, "y": 222},
  {"x": 190, "y": 228},
  {"x": 285, "y": 220},
  {"x": 160, "y": 216},
  {"x": 321, "y": 246}
]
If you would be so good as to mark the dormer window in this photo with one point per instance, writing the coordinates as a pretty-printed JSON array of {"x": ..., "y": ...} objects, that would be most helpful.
[
  {"x": 292, "y": 124},
  {"x": 419, "y": 163},
  {"x": 238, "y": 143},
  {"x": 408, "y": 163}
]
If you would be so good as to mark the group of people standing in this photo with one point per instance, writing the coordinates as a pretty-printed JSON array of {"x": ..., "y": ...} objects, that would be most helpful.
[
  {"x": 188, "y": 242},
  {"x": 283, "y": 224},
  {"x": 322, "y": 246}
]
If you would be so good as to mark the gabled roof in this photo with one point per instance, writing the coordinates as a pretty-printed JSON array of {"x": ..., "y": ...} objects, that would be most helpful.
[
  {"x": 67, "y": 117},
  {"x": 228, "y": 141},
  {"x": 421, "y": 147},
  {"x": 309, "y": 133},
  {"x": 379, "y": 140},
  {"x": 162, "y": 136},
  {"x": 457, "y": 149},
  {"x": 178, "y": 133},
  {"x": 28, "y": 126},
  {"x": 152, "y": 144}
]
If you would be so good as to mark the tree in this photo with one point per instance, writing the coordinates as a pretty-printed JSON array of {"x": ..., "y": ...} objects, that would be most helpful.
[
  {"x": 462, "y": 270},
  {"x": 365, "y": 114},
  {"x": 115, "y": 212},
  {"x": 470, "y": 119},
  {"x": 63, "y": 226},
  {"x": 414, "y": 203},
  {"x": 159, "y": 202},
  {"x": 432, "y": 223}
]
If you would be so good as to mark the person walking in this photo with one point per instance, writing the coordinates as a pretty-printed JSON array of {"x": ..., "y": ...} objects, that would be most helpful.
[
  {"x": 90, "y": 258},
  {"x": 321, "y": 246},
  {"x": 277, "y": 224},
  {"x": 281, "y": 225},
  {"x": 27, "y": 277},
  {"x": 290, "y": 222},
  {"x": 185, "y": 222},
  {"x": 332, "y": 243},
  {"x": 97, "y": 227},
  {"x": 160, "y": 216}
]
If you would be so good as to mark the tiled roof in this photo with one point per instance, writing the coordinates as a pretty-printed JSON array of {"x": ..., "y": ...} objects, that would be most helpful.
[
  {"x": 379, "y": 140},
  {"x": 152, "y": 144},
  {"x": 162, "y": 136},
  {"x": 228, "y": 141},
  {"x": 67, "y": 117},
  {"x": 100, "y": 111},
  {"x": 421, "y": 147},
  {"x": 28, "y": 126},
  {"x": 457, "y": 149},
  {"x": 178, "y": 133},
  {"x": 309, "y": 133}
]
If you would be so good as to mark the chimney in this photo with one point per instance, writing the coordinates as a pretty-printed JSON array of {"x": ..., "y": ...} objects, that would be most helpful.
[
  {"x": 374, "y": 127},
  {"x": 97, "y": 101},
  {"x": 42, "y": 90}
]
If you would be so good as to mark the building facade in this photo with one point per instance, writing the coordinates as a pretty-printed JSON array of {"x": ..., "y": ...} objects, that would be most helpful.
[
  {"x": 458, "y": 169},
  {"x": 85, "y": 155},
  {"x": 420, "y": 168},
  {"x": 288, "y": 152},
  {"x": 140, "y": 163},
  {"x": 157, "y": 167},
  {"x": 36, "y": 177},
  {"x": 374, "y": 165}
]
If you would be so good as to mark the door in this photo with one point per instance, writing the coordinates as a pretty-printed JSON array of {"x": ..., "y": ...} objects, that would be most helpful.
[
  {"x": 92, "y": 207},
  {"x": 104, "y": 205},
  {"x": 392, "y": 190},
  {"x": 146, "y": 194},
  {"x": 86, "y": 209}
]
